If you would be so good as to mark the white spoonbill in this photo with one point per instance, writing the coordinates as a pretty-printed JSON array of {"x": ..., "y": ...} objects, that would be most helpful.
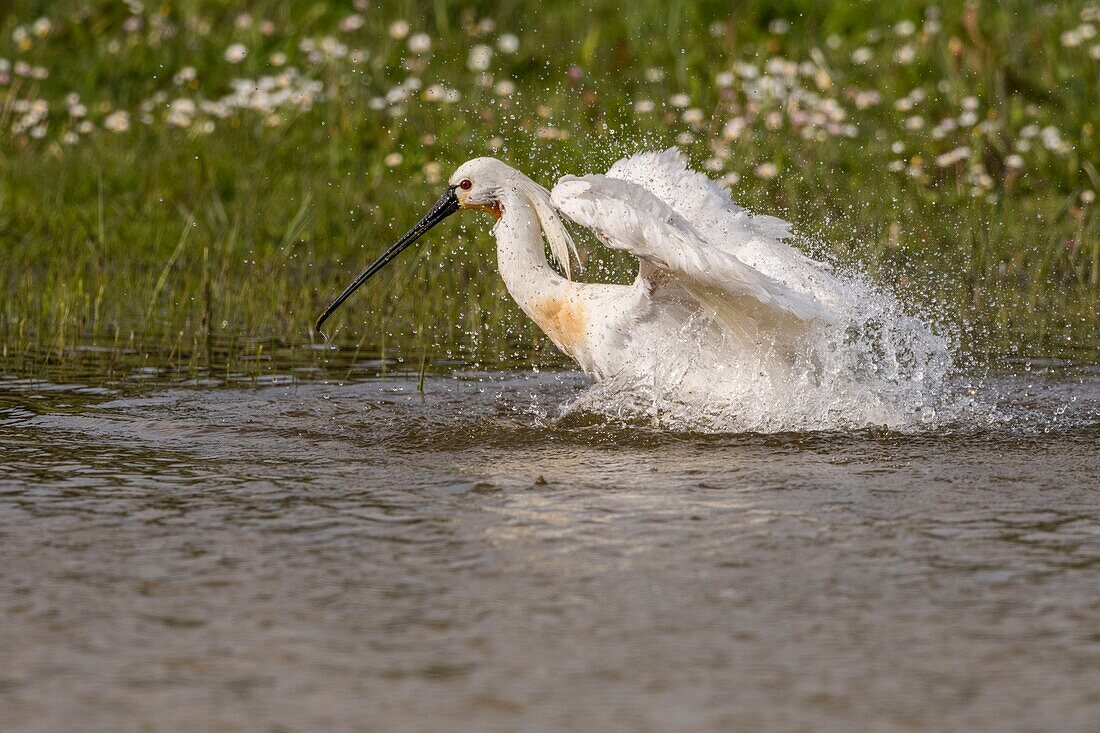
[{"x": 722, "y": 311}]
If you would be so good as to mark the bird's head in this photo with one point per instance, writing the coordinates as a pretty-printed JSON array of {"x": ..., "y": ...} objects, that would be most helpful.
[
  {"x": 483, "y": 184},
  {"x": 477, "y": 184},
  {"x": 480, "y": 184}
]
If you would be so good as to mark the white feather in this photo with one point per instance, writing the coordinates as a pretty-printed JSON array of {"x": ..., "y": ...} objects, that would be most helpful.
[
  {"x": 625, "y": 216},
  {"x": 757, "y": 240},
  {"x": 695, "y": 197},
  {"x": 557, "y": 236}
]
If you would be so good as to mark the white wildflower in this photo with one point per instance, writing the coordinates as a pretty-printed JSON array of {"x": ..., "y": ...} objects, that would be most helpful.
[
  {"x": 746, "y": 70},
  {"x": 952, "y": 157},
  {"x": 236, "y": 53},
  {"x": 906, "y": 54},
  {"x": 420, "y": 43},
  {"x": 904, "y": 104},
  {"x": 693, "y": 116},
  {"x": 399, "y": 29},
  {"x": 779, "y": 26},
  {"x": 733, "y": 128},
  {"x": 481, "y": 56},
  {"x": 180, "y": 113},
  {"x": 117, "y": 122},
  {"x": 778, "y": 66},
  {"x": 766, "y": 171},
  {"x": 1052, "y": 140},
  {"x": 905, "y": 28},
  {"x": 867, "y": 98},
  {"x": 184, "y": 75},
  {"x": 352, "y": 23},
  {"x": 333, "y": 48},
  {"x": 551, "y": 133}
]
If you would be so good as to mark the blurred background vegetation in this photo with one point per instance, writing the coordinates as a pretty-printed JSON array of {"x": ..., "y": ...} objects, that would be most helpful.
[{"x": 185, "y": 185}]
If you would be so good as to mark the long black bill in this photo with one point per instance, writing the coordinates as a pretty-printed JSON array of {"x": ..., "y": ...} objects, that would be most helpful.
[{"x": 444, "y": 207}]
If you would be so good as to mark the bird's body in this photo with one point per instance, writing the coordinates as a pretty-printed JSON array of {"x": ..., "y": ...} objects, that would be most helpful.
[{"x": 724, "y": 316}]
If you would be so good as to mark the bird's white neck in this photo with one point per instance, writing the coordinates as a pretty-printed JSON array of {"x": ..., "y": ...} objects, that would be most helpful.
[
  {"x": 553, "y": 302},
  {"x": 521, "y": 252}
]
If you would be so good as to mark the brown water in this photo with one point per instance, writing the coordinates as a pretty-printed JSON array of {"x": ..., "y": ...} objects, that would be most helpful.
[{"x": 361, "y": 557}]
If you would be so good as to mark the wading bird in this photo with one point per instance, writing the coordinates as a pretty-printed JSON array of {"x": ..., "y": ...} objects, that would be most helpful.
[{"x": 720, "y": 299}]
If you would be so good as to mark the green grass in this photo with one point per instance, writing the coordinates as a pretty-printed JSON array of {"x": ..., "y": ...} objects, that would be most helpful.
[{"x": 213, "y": 244}]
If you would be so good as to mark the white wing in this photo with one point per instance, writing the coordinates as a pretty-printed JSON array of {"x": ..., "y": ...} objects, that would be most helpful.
[
  {"x": 696, "y": 198},
  {"x": 758, "y": 241},
  {"x": 626, "y": 216}
]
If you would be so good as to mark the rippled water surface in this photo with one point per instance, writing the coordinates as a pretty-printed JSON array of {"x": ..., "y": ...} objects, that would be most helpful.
[{"x": 364, "y": 557}]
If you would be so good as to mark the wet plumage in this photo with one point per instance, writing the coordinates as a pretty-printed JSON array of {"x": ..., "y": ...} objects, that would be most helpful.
[{"x": 725, "y": 316}]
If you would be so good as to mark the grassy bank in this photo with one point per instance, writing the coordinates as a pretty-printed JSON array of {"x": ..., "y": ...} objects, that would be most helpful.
[{"x": 152, "y": 205}]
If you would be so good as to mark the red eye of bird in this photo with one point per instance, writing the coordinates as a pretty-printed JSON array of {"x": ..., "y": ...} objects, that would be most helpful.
[{"x": 466, "y": 184}]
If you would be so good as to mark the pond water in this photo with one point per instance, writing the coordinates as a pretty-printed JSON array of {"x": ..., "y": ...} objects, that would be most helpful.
[{"x": 366, "y": 557}]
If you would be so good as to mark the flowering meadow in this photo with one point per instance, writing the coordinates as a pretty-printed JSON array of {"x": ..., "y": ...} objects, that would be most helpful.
[{"x": 187, "y": 184}]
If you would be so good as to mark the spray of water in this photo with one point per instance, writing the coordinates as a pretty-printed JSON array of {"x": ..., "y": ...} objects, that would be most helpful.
[{"x": 875, "y": 365}]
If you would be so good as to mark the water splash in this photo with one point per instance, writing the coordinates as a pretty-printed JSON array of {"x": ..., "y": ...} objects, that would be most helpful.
[{"x": 875, "y": 366}]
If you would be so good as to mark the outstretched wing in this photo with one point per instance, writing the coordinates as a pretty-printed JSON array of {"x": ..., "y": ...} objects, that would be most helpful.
[
  {"x": 626, "y": 216},
  {"x": 760, "y": 241},
  {"x": 697, "y": 198}
]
